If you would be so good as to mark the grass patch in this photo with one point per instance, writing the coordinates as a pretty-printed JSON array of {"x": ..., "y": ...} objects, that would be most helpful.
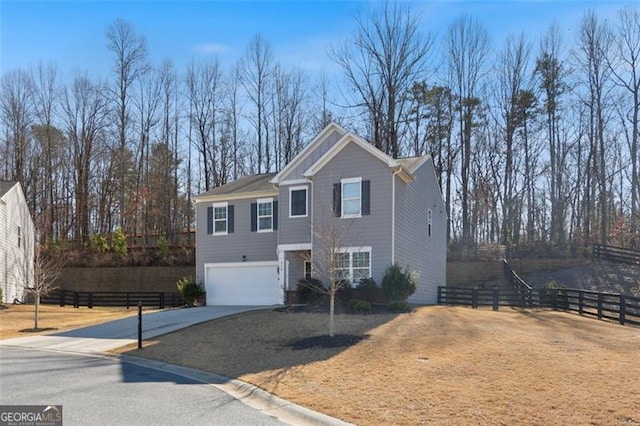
[{"x": 442, "y": 365}]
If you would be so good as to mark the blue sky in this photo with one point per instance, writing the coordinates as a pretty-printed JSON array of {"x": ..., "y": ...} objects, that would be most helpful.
[{"x": 71, "y": 34}]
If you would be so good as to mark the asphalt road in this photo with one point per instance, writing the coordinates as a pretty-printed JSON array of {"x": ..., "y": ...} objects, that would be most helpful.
[{"x": 96, "y": 390}]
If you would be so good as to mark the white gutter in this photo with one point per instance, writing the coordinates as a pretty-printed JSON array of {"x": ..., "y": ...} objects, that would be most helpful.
[{"x": 393, "y": 214}]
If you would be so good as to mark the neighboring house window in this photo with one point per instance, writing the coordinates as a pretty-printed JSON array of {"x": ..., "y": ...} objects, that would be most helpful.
[
  {"x": 19, "y": 237},
  {"x": 351, "y": 198},
  {"x": 264, "y": 215},
  {"x": 220, "y": 219},
  {"x": 353, "y": 264},
  {"x": 429, "y": 218},
  {"x": 298, "y": 201}
]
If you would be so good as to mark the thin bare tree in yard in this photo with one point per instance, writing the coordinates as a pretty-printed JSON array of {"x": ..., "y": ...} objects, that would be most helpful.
[
  {"x": 386, "y": 56},
  {"x": 467, "y": 49},
  {"x": 330, "y": 234},
  {"x": 130, "y": 55},
  {"x": 46, "y": 270}
]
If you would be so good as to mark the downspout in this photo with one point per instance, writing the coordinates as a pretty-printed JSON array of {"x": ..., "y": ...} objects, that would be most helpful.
[
  {"x": 281, "y": 278},
  {"x": 393, "y": 214},
  {"x": 310, "y": 207}
]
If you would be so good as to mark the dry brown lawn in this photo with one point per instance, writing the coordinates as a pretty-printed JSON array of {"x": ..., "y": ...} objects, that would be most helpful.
[
  {"x": 17, "y": 320},
  {"x": 437, "y": 365}
]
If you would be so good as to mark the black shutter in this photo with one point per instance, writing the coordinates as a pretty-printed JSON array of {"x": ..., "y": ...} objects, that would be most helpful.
[
  {"x": 210, "y": 220},
  {"x": 254, "y": 217},
  {"x": 337, "y": 199},
  {"x": 366, "y": 197},
  {"x": 230, "y": 219},
  {"x": 275, "y": 215}
]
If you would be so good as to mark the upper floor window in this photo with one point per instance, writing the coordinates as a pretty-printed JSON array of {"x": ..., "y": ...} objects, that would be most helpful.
[
  {"x": 265, "y": 214},
  {"x": 429, "y": 222},
  {"x": 351, "y": 198},
  {"x": 220, "y": 219},
  {"x": 298, "y": 201},
  {"x": 19, "y": 237}
]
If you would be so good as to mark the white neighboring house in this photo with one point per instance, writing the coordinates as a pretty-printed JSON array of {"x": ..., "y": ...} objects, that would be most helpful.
[{"x": 16, "y": 242}]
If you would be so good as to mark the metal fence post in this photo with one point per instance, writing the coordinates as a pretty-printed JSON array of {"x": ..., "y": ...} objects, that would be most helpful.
[{"x": 139, "y": 325}]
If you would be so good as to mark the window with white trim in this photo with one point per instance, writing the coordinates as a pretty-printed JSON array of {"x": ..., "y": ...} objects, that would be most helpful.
[
  {"x": 351, "y": 197},
  {"x": 220, "y": 218},
  {"x": 353, "y": 264},
  {"x": 265, "y": 215},
  {"x": 429, "y": 222},
  {"x": 19, "y": 237},
  {"x": 298, "y": 201}
]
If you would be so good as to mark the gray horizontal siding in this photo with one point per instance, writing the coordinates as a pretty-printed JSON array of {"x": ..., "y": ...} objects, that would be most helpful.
[
  {"x": 256, "y": 246},
  {"x": 313, "y": 156},
  {"x": 373, "y": 230},
  {"x": 295, "y": 230},
  {"x": 414, "y": 247}
]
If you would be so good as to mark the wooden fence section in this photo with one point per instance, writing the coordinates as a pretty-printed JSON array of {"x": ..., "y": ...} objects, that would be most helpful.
[
  {"x": 518, "y": 284},
  {"x": 105, "y": 298},
  {"x": 616, "y": 254},
  {"x": 617, "y": 307}
]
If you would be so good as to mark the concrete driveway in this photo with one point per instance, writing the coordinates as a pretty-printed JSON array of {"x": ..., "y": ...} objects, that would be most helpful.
[{"x": 114, "y": 334}]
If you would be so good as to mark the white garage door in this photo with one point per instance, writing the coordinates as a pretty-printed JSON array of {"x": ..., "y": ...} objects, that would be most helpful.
[{"x": 246, "y": 283}]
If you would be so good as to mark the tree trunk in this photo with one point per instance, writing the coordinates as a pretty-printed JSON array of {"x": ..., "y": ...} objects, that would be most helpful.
[{"x": 332, "y": 302}]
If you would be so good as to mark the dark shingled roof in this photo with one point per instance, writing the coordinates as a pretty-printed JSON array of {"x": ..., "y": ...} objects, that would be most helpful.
[
  {"x": 5, "y": 187},
  {"x": 252, "y": 183}
]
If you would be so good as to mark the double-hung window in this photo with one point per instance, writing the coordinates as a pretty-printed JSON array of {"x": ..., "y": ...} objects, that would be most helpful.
[
  {"x": 265, "y": 214},
  {"x": 298, "y": 201},
  {"x": 353, "y": 264},
  {"x": 220, "y": 218},
  {"x": 351, "y": 197}
]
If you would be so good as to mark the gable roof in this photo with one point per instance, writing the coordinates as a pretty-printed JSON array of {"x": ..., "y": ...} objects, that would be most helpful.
[
  {"x": 244, "y": 187},
  {"x": 403, "y": 172},
  {"x": 5, "y": 187},
  {"x": 307, "y": 150}
]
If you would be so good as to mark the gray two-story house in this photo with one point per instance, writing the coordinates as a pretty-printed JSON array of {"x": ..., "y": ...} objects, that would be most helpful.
[{"x": 259, "y": 235}]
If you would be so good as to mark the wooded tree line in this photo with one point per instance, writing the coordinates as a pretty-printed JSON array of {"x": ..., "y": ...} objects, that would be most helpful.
[{"x": 534, "y": 138}]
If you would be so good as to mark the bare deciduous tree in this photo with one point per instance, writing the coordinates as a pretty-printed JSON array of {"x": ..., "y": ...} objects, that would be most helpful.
[
  {"x": 382, "y": 62},
  {"x": 130, "y": 62}
]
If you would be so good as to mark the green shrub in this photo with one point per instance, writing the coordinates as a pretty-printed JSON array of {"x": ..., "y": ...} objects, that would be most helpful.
[
  {"x": 189, "y": 290},
  {"x": 553, "y": 284},
  {"x": 119, "y": 242},
  {"x": 308, "y": 290},
  {"x": 367, "y": 289},
  {"x": 398, "y": 307},
  {"x": 398, "y": 285},
  {"x": 0, "y": 294},
  {"x": 163, "y": 247},
  {"x": 99, "y": 241},
  {"x": 361, "y": 306}
]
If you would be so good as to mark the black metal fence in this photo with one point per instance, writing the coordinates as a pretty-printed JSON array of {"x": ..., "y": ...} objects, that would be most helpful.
[
  {"x": 617, "y": 307},
  {"x": 616, "y": 254},
  {"x": 112, "y": 298}
]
